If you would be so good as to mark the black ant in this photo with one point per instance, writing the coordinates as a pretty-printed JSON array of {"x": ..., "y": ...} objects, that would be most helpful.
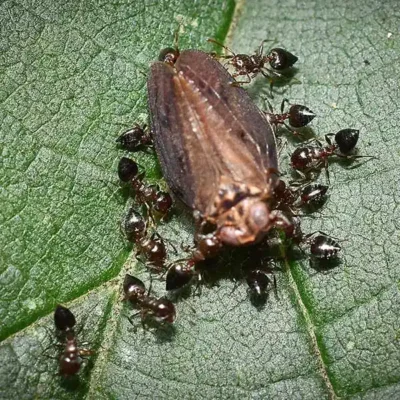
[
  {"x": 161, "y": 310},
  {"x": 258, "y": 282},
  {"x": 134, "y": 138},
  {"x": 322, "y": 246},
  {"x": 152, "y": 248},
  {"x": 298, "y": 116},
  {"x": 308, "y": 158},
  {"x": 309, "y": 196},
  {"x": 278, "y": 59},
  {"x": 149, "y": 195},
  {"x": 71, "y": 358}
]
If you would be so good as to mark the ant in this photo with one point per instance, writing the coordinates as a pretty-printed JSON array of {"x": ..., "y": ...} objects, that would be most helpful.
[
  {"x": 322, "y": 246},
  {"x": 153, "y": 247},
  {"x": 309, "y": 196},
  {"x": 258, "y": 282},
  {"x": 128, "y": 171},
  {"x": 161, "y": 310},
  {"x": 308, "y": 158},
  {"x": 298, "y": 116},
  {"x": 134, "y": 138},
  {"x": 278, "y": 59},
  {"x": 71, "y": 358}
]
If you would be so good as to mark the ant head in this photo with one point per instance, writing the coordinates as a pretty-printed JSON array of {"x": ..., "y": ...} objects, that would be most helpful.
[
  {"x": 127, "y": 169},
  {"x": 63, "y": 318},
  {"x": 347, "y": 139},
  {"x": 281, "y": 59},
  {"x": 280, "y": 188},
  {"x": 208, "y": 245},
  {"x": 165, "y": 311},
  {"x": 178, "y": 276},
  {"x": 133, "y": 286},
  {"x": 169, "y": 55}
]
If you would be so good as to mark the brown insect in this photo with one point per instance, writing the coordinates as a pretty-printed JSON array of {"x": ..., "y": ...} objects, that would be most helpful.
[{"x": 216, "y": 148}]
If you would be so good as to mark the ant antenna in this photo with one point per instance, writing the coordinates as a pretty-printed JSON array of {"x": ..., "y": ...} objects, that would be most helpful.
[{"x": 210, "y": 40}]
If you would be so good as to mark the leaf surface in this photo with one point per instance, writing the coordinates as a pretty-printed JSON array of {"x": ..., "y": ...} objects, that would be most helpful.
[{"x": 73, "y": 78}]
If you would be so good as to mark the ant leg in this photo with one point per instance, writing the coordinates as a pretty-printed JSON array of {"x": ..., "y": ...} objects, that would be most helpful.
[
  {"x": 198, "y": 284},
  {"x": 130, "y": 318},
  {"x": 279, "y": 220},
  {"x": 275, "y": 286},
  {"x": 295, "y": 133},
  {"x": 176, "y": 37},
  {"x": 273, "y": 73},
  {"x": 328, "y": 138},
  {"x": 284, "y": 101},
  {"x": 353, "y": 157},
  {"x": 322, "y": 233},
  {"x": 269, "y": 106},
  {"x": 150, "y": 286},
  {"x": 239, "y": 83},
  {"x": 326, "y": 166},
  {"x": 303, "y": 178}
]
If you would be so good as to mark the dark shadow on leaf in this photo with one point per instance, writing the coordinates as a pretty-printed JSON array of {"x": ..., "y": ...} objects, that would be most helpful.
[{"x": 71, "y": 383}]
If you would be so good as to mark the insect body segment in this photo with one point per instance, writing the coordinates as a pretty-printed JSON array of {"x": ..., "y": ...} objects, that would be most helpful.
[
  {"x": 134, "y": 138},
  {"x": 152, "y": 248},
  {"x": 323, "y": 246},
  {"x": 71, "y": 359}
]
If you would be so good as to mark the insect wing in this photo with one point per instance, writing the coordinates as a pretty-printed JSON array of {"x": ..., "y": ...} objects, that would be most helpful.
[
  {"x": 206, "y": 130},
  {"x": 167, "y": 126}
]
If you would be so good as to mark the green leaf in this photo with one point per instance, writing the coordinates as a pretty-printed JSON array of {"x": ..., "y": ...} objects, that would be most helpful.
[{"x": 72, "y": 79}]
